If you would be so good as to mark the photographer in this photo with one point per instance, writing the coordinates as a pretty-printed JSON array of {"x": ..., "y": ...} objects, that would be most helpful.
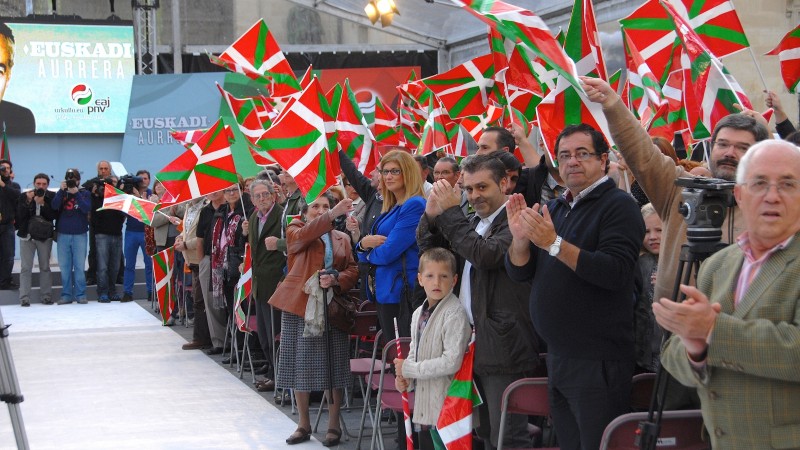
[
  {"x": 34, "y": 222},
  {"x": 9, "y": 194},
  {"x": 134, "y": 236},
  {"x": 73, "y": 205},
  {"x": 107, "y": 225},
  {"x": 103, "y": 173}
]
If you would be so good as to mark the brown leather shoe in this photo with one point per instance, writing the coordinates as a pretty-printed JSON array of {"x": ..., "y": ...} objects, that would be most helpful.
[
  {"x": 195, "y": 345},
  {"x": 265, "y": 385}
]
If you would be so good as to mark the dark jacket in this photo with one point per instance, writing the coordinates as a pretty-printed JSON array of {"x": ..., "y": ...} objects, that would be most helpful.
[
  {"x": 8, "y": 201},
  {"x": 588, "y": 313},
  {"x": 531, "y": 181},
  {"x": 373, "y": 201},
  {"x": 73, "y": 211},
  {"x": 267, "y": 264},
  {"x": 107, "y": 221},
  {"x": 505, "y": 341},
  {"x": 27, "y": 209},
  {"x": 235, "y": 249}
]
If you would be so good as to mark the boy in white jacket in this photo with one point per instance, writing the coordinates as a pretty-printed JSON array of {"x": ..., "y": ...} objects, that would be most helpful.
[{"x": 440, "y": 332}]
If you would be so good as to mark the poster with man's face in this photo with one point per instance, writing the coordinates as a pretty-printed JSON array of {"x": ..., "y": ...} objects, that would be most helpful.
[{"x": 61, "y": 78}]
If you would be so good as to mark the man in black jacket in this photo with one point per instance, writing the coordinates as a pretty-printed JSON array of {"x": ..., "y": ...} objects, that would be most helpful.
[
  {"x": 9, "y": 195},
  {"x": 580, "y": 254},
  {"x": 37, "y": 239},
  {"x": 107, "y": 226},
  {"x": 506, "y": 347}
]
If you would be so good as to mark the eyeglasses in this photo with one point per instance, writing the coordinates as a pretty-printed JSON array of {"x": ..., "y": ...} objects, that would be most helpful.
[
  {"x": 261, "y": 195},
  {"x": 724, "y": 145},
  {"x": 394, "y": 172},
  {"x": 442, "y": 173},
  {"x": 580, "y": 155},
  {"x": 230, "y": 191},
  {"x": 762, "y": 187}
]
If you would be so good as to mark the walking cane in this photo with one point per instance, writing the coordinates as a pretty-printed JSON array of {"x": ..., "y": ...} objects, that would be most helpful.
[{"x": 331, "y": 400}]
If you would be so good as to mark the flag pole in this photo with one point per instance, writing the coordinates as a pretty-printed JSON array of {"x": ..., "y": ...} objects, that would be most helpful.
[
  {"x": 404, "y": 395},
  {"x": 758, "y": 68}
]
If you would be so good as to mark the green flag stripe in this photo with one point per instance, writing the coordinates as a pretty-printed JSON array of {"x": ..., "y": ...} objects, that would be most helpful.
[
  {"x": 727, "y": 34},
  {"x": 460, "y": 389},
  {"x": 293, "y": 142},
  {"x": 261, "y": 48},
  {"x": 216, "y": 173},
  {"x": 141, "y": 211},
  {"x": 177, "y": 175}
]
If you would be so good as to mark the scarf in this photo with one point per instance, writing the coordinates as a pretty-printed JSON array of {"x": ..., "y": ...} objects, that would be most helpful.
[{"x": 224, "y": 236}]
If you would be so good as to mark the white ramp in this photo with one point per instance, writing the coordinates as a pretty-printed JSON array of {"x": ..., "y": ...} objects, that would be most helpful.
[{"x": 109, "y": 376}]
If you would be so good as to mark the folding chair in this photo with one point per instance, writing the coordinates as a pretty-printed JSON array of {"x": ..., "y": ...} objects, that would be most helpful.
[
  {"x": 680, "y": 430},
  {"x": 366, "y": 325},
  {"x": 642, "y": 391},
  {"x": 387, "y": 397},
  {"x": 247, "y": 357},
  {"x": 526, "y": 396}
]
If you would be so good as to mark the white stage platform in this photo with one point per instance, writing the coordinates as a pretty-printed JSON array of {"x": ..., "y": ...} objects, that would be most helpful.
[{"x": 109, "y": 376}]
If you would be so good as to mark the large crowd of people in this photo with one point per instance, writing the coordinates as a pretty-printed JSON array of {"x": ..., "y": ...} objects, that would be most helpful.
[{"x": 562, "y": 267}]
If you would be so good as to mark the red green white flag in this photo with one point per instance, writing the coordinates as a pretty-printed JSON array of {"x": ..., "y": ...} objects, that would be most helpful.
[
  {"x": 459, "y": 139},
  {"x": 651, "y": 30},
  {"x": 297, "y": 141},
  {"x": 385, "y": 126},
  {"x": 454, "y": 425},
  {"x": 355, "y": 137},
  {"x": 715, "y": 89},
  {"x": 644, "y": 90},
  {"x": 566, "y": 105},
  {"x": 188, "y": 137},
  {"x": 139, "y": 209},
  {"x": 671, "y": 117},
  {"x": 252, "y": 114},
  {"x": 206, "y": 167},
  {"x": 434, "y": 133},
  {"x": 243, "y": 289},
  {"x": 257, "y": 55},
  {"x": 526, "y": 28},
  {"x": 475, "y": 125},
  {"x": 5, "y": 152},
  {"x": 788, "y": 51},
  {"x": 163, "y": 264},
  {"x": 464, "y": 89}
]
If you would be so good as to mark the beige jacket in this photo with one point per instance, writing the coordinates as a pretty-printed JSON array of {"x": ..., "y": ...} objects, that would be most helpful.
[
  {"x": 436, "y": 356},
  {"x": 656, "y": 173},
  {"x": 189, "y": 234}
]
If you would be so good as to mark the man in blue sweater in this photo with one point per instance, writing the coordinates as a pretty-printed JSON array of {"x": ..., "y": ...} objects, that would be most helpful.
[
  {"x": 134, "y": 240},
  {"x": 580, "y": 254},
  {"x": 73, "y": 204}
]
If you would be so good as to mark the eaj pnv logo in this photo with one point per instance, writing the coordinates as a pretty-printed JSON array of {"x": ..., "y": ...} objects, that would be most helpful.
[{"x": 81, "y": 94}]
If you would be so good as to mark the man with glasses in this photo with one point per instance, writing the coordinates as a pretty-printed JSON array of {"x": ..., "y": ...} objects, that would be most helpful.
[
  {"x": 656, "y": 173},
  {"x": 580, "y": 255},
  {"x": 447, "y": 169},
  {"x": 267, "y": 271},
  {"x": 736, "y": 336}
]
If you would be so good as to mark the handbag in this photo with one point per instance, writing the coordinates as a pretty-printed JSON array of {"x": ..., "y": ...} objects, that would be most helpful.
[
  {"x": 40, "y": 228},
  {"x": 342, "y": 312}
]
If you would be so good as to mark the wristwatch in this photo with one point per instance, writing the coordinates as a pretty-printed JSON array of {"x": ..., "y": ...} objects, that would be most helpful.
[{"x": 555, "y": 247}]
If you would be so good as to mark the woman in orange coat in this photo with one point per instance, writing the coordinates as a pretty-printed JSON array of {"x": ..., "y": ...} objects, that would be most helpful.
[{"x": 313, "y": 245}]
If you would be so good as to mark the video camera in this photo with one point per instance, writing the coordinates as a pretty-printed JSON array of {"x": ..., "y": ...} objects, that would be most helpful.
[
  {"x": 705, "y": 203},
  {"x": 39, "y": 192},
  {"x": 126, "y": 183},
  {"x": 71, "y": 178}
]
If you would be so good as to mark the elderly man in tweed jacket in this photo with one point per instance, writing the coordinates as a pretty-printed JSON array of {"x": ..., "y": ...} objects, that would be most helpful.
[{"x": 737, "y": 335}]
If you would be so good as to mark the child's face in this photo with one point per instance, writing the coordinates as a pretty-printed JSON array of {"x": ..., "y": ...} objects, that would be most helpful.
[
  {"x": 437, "y": 278},
  {"x": 652, "y": 237}
]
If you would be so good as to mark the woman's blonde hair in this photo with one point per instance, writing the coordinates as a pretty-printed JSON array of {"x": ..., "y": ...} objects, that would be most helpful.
[{"x": 412, "y": 178}]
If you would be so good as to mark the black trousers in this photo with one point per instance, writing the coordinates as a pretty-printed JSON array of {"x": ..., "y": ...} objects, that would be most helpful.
[
  {"x": 200, "y": 332},
  {"x": 585, "y": 396},
  {"x": 266, "y": 317}
]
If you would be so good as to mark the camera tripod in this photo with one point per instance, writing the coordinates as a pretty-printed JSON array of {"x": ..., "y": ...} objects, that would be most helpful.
[
  {"x": 9, "y": 388},
  {"x": 692, "y": 254}
]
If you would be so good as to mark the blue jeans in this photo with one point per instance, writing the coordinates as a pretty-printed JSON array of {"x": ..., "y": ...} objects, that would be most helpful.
[
  {"x": 134, "y": 240},
  {"x": 108, "y": 251},
  {"x": 72, "y": 262}
]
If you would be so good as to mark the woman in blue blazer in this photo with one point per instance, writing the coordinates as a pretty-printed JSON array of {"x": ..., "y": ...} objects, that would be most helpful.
[{"x": 393, "y": 237}]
